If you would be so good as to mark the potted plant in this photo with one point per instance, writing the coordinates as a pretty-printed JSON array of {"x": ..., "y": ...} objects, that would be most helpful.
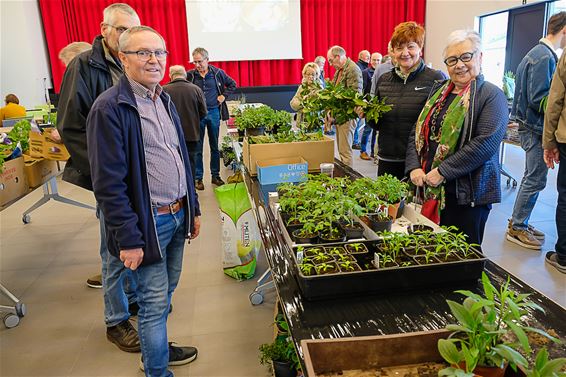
[
  {"x": 544, "y": 367},
  {"x": 326, "y": 268},
  {"x": 394, "y": 192},
  {"x": 483, "y": 341},
  {"x": 380, "y": 222},
  {"x": 281, "y": 356},
  {"x": 254, "y": 120}
]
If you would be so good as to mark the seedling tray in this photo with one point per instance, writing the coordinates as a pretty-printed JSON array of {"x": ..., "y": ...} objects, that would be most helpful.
[{"x": 451, "y": 274}]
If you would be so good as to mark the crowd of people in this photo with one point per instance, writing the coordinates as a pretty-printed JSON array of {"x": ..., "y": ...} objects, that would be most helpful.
[{"x": 138, "y": 147}]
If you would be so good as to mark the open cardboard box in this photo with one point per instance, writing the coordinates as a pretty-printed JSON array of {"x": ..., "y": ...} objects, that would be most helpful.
[
  {"x": 43, "y": 146},
  {"x": 13, "y": 183},
  {"x": 38, "y": 170}
]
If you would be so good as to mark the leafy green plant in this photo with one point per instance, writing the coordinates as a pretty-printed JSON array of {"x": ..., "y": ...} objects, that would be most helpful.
[
  {"x": 481, "y": 336},
  {"x": 348, "y": 266},
  {"x": 307, "y": 268},
  {"x": 544, "y": 367},
  {"x": 325, "y": 267},
  {"x": 254, "y": 117},
  {"x": 281, "y": 349}
]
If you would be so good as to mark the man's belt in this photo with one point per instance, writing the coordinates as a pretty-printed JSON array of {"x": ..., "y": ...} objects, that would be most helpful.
[{"x": 171, "y": 208}]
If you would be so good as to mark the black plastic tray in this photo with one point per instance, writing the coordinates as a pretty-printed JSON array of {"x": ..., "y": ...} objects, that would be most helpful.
[{"x": 388, "y": 280}]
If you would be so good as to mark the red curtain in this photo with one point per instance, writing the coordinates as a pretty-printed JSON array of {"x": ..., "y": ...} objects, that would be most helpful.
[{"x": 353, "y": 24}]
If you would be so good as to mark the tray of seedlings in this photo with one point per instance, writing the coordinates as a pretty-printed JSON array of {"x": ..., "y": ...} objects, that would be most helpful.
[{"x": 418, "y": 260}]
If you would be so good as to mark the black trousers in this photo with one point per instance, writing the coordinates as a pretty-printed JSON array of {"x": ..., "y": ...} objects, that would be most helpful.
[
  {"x": 396, "y": 169},
  {"x": 192, "y": 148},
  {"x": 561, "y": 206},
  {"x": 469, "y": 220}
]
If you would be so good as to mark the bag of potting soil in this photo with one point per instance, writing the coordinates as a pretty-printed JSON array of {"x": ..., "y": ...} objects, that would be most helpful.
[{"x": 240, "y": 235}]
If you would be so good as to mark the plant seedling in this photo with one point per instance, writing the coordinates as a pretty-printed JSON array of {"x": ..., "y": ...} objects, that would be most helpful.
[
  {"x": 307, "y": 269},
  {"x": 326, "y": 268}
]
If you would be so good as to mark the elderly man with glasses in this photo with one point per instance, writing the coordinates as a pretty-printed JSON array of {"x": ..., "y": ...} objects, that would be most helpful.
[
  {"x": 87, "y": 76},
  {"x": 143, "y": 183},
  {"x": 216, "y": 86}
]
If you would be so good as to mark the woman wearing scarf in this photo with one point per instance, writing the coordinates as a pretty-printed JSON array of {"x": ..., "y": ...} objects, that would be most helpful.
[{"x": 452, "y": 155}]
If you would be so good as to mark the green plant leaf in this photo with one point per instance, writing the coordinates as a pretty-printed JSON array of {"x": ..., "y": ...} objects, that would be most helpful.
[
  {"x": 521, "y": 335},
  {"x": 461, "y": 314},
  {"x": 449, "y": 351},
  {"x": 510, "y": 355}
]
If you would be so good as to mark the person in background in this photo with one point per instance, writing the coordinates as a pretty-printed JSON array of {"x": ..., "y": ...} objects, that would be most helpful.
[
  {"x": 554, "y": 152},
  {"x": 532, "y": 83},
  {"x": 13, "y": 109},
  {"x": 86, "y": 77},
  {"x": 367, "y": 75},
  {"x": 407, "y": 88},
  {"x": 363, "y": 64},
  {"x": 320, "y": 61},
  {"x": 216, "y": 85},
  {"x": 452, "y": 151},
  {"x": 349, "y": 75},
  {"x": 69, "y": 52},
  {"x": 309, "y": 85},
  {"x": 191, "y": 106},
  {"x": 387, "y": 64},
  {"x": 142, "y": 180}
]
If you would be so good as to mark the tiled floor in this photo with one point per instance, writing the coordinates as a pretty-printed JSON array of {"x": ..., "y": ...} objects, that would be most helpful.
[{"x": 46, "y": 262}]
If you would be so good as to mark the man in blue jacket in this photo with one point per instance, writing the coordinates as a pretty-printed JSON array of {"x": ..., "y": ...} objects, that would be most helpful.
[
  {"x": 142, "y": 180},
  {"x": 532, "y": 84},
  {"x": 216, "y": 85}
]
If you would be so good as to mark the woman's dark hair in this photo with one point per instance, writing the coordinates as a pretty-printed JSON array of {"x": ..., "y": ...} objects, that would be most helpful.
[
  {"x": 556, "y": 23},
  {"x": 11, "y": 98}
]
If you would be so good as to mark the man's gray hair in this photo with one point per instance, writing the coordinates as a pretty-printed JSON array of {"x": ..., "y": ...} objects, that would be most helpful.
[
  {"x": 68, "y": 52},
  {"x": 201, "y": 51},
  {"x": 111, "y": 10},
  {"x": 460, "y": 36},
  {"x": 337, "y": 50},
  {"x": 176, "y": 71},
  {"x": 320, "y": 59},
  {"x": 125, "y": 37}
]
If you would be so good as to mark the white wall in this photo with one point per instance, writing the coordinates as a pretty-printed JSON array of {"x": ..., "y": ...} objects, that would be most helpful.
[
  {"x": 23, "y": 52},
  {"x": 445, "y": 16}
]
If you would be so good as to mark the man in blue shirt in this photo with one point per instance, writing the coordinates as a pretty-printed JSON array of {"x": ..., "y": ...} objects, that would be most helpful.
[
  {"x": 216, "y": 85},
  {"x": 534, "y": 75}
]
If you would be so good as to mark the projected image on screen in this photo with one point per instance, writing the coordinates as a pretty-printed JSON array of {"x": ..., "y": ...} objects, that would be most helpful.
[{"x": 245, "y": 29}]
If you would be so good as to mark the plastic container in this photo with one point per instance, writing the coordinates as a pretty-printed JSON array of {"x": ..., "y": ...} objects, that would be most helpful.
[{"x": 327, "y": 168}]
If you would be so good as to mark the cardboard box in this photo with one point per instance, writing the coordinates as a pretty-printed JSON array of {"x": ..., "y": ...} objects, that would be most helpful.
[
  {"x": 39, "y": 171},
  {"x": 314, "y": 153},
  {"x": 13, "y": 183},
  {"x": 278, "y": 170},
  {"x": 43, "y": 146}
]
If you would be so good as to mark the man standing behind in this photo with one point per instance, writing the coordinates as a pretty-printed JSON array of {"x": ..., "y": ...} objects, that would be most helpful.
[
  {"x": 363, "y": 59},
  {"x": 191, "y": 106},
  {"x": 216, "y": 85},
  {"x": 554, "y": 144},
  {"x": 534, "y": 75},
  {"x": 143, "y": 182},
  {"x": 320, "y": 61},
  {"x": 367, "y": 74},
  {"x": 86, "y": 77},
  {"x": 349, "y": 75}
]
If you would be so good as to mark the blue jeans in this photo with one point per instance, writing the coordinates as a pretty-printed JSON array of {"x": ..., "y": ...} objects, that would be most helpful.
[
  {"x": 118, "y": 283},
  {"x": 211, "y": 123},
  {"x": 561, "y": 207},
  {"x": 359, "y": 124},
  {"x": 534, "y": 178},
  {"x": 156, "y": 283},
  {"x": 192, "y": 149},
  {"x": 365, "y": 137}
]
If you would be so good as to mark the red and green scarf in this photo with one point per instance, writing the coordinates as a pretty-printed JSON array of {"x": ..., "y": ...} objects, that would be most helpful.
[{"x": 450, "y": 128}]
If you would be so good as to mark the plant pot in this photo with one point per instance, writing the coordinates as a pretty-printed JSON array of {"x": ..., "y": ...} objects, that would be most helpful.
[
  {"x": 309, "y": 238},
  {"x": 241, "y": 134},
  {"x": 421, "y": 260},
  {"x": 355, "y": 266},
  {"x": 284, "y": 369},
  {"x": 335, "y": 251},
  {"x": 379, "y": 225},
  {"x": 396, "y": 210},
  {"x": 345, "y": 258},
  {"x": 419, "y": 228},
  {"x": 452, "y": 257},
  {"x": 352, "y": 231},
  {"x": 481, "y": 371},
  {"x": 312, "y": 251},
  {"x": 257, "y": 131},
  {"x": 341, "y": 237},
  {"x": 352, "y": 250},
  {"x": 333, "y": 270}
]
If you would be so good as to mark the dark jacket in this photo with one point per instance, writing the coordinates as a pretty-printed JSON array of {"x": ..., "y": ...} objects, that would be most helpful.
[
  {"x": 408, "y": 98},
  {"x": 190, "y": 104},
  {"x": 362, "y": 65},
  {"x": 532, "y": 84},
  {"x": 475, "y": 164},
  {"x": 85, "y": 78},
  {"x": 367, "y": 74},
  {"x": 119, "y": 176},
  {"x": 224, "y": 83}
]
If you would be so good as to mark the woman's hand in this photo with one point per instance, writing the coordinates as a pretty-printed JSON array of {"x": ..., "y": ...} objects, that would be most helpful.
[
  {"x": 433, "y": 178},
  {"x": 418, "y": 177},
  {"x": 360, "y": 111}
]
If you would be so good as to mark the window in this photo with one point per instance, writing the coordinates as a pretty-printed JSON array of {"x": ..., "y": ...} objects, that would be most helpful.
[{"x": 493, "y": 30}]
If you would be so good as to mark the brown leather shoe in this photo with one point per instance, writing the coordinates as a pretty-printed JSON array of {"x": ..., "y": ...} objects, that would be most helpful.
[
  {"x": 124, "y": 336},
  {"x": 217, "y": 181},
  {"x": 199, "y": 185},
  {"x": 364, "y": 156}
]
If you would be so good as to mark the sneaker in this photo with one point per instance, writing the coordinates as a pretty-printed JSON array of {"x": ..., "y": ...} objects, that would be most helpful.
[
  {"x": 124, "y": 336},
  {"x": 523, "y": 238},
  {"x": 94, "y": 281},
  {"x": 364, "y": 156},
  {"x": 217, "y": 181},
  {"x": 178, "y": 355},
  {"x": 356, "y": 146},
  {"x": 552, "y": 259},
  {"x": 199, "y": 185},
  {"x": 534, "y": 231}
]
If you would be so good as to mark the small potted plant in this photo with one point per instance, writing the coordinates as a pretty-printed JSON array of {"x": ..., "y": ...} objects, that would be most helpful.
[
  {"x": 356, "y": 248},
  {"x": 483, "y": 342},
  {"x": 380, "y": 222},
  {"x": 326, "y": 268},
  {"x": 544, "y": 367},
  {"x": 280, "y": 355}
]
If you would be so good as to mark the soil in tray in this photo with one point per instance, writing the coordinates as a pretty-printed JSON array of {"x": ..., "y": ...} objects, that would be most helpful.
[
  {"x": 405, "y": 261},
  {"x": 349, "y": 267},
  {"x": 452, "y": 257},
  {"x": 414, "y": 370},
  {"x": 353, "y": 248},
  {"x": 422, "y": 260},
  {"x": 345, "y": 258},
  {"x": 328, "y": 268},
  {"x": 335, "y": 250},
  {"x": 312, "y": 251}
]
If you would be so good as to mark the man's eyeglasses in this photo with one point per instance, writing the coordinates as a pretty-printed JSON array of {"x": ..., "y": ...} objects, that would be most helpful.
[
  {"x": 119, "y": 29},
  {"x": 145, "y": 55},
  {"x": 464, "y": 58},
  {"x": 195, "y": 62}
]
